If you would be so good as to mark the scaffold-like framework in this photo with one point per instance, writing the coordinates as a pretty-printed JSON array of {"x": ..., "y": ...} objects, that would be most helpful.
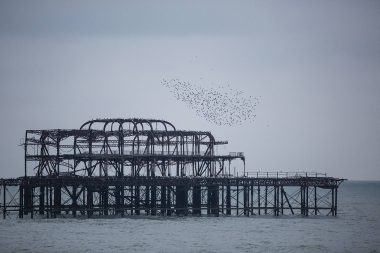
[{"x": 136, "y": 166}]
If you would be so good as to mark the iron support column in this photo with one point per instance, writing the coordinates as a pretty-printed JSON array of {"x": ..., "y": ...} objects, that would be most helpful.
[
  {"x": 42, "y": 200},
  {"x": 228, "y": 199},
  {"x": 4, "y": 201},
  {"x": 197, "y": 200},
  {"x": 181, "y": 200}
]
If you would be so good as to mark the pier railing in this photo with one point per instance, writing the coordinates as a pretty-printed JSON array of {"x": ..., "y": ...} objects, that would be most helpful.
[{"x": 280, "y": 174}]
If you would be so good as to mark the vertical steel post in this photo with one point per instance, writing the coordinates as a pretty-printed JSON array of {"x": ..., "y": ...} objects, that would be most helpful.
[
  {"x": 31, "y": 202},
  {"x": 302, "y": 200},
  {"x": 181, "y": 200},
  {"x": 137, "y": 200},
  {"x": 25, "y": 153},
  {"x": 258, "y": 199},
  {"x": 275, "y": 200},
  {"x": 90, "y": 203},
  {"x": 282, "y": 200},
  {"x": 228, "y": 199},
  {"x": 278, "y": 200},
  {"x": 121, "y": 200},
  {"x": 57, "y": 200},
  {"x": 42, "y": 201},
  {"x": 163, "y": 200},
  {"x": 197, "y": 200},
  {"x": 21, "y": 200},
  {"x": 266, "y": 200},
  {"x": 47, "y": 201},
  {"x": 117, "y": 199},
  {"x": 57, "y": 155},
  {"x": 208, "y": 204},
  {"x": 336, "y": 201},
  {"x": 169, "y": 204},
  {"x": 153, "y": 201},
  {"x": 307, "y": 200},
  {"x": 74, "y": 201},
  {"x": 51, "y": 203},
  {"x": 315, "y": 200},
  {"x": 4, "y": 201},
  {"x": 246, "y": 200},
  {"x": 222, "y": 190},
  {"x": 251, "y": 197},
  {"x": 147, "y": 203},
  {"x": 237, "y": 199},
  {"x": 84, "y": 203},
  {"x": 332, "y": 201},
  {"x": 105, "y": 200},
  {"x": 214, "y": 199},
  {"x": 27, "y": 199}
]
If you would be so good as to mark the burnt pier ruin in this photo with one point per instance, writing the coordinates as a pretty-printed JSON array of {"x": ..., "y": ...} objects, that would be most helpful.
[{"x": 119, "y": 167}]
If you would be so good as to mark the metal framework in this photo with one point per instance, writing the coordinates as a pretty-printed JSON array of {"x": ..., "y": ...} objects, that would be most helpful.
[{"x": 137, "y": 166}]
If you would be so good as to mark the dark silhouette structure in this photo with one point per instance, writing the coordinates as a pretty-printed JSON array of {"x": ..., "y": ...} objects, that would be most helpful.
[{"x": 138, "y": 166}]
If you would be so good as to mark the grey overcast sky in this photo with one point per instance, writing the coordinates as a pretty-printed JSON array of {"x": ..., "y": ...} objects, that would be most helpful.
[{"x": 315, "y": 64}]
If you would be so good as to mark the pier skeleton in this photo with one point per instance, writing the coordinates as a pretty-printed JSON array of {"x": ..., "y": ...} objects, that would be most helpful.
[{"x": 146, "y": 167}]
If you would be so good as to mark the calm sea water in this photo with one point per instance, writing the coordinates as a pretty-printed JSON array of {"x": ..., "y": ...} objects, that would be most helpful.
[{"x": 356, "y": 229}]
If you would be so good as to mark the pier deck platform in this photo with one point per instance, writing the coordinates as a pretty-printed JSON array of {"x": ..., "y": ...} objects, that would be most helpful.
[{"x": 65, "y": 196}]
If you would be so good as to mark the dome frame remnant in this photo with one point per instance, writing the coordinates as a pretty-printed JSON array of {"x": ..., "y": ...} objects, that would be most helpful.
[{"x": 126, "y": 147}]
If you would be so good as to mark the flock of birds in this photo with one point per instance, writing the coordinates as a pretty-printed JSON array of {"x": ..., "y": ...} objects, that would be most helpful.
[{"x": 221, "y": 106}]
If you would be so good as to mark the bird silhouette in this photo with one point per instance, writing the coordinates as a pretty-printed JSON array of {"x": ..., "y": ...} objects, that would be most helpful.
[{"x": 222, "y": 106}]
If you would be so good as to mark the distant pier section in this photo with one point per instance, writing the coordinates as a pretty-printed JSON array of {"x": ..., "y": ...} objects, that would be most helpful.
[{"x": 119, "y": 167}]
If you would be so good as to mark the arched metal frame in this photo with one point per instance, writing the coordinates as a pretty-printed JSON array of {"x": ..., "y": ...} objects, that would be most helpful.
[{"x": 125, "y": 147}]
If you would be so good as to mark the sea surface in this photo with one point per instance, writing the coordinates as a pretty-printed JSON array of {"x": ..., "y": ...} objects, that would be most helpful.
[{"x": 356, "y": 229}]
